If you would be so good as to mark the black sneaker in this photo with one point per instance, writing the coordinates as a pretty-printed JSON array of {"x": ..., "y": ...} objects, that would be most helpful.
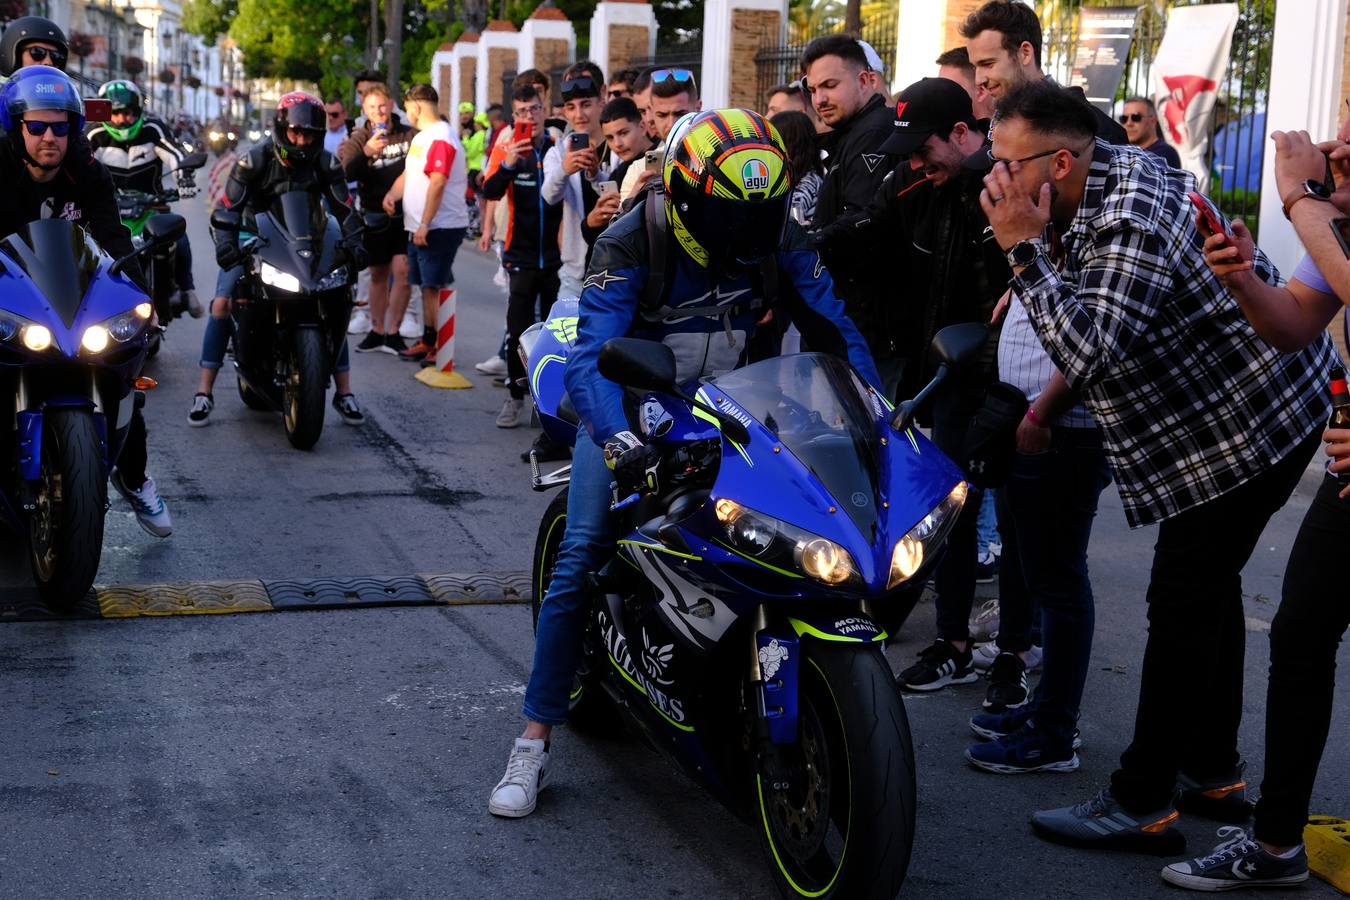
[
  {"x": 200, "y": 414},
  {"x": 394, "y": 343},
  {"x": 346, "y": 406},
  {"x": 1007, "y": 683},
  {"x": 1028, "y": 749},
  {"x": 372, "y": 342},
  {"x": 986, "y": 568},
  {"x": 992, "y": 726},
  {"x": 938, "y": 666},
  {"x": 1102, "y": 823},
  {"x": 546, "y": 449},
  {"x": 1238, "y": 862},
  {"x": 1222, "y": 799}
]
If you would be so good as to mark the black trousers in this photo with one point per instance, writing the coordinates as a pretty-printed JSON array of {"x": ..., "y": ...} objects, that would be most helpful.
[
  {"x": 131, "y": 461},
  {"x": 1313, "y": 616},
  {"x": 1190, "y": 695},
  {"x": 527, "y": 286}
]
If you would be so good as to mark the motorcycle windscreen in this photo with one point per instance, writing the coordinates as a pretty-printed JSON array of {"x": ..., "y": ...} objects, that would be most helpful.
[
  {"x": 60, "y": 259},
  {"x": 813, "y": 404},
  {"x": 301, "y": 215}
]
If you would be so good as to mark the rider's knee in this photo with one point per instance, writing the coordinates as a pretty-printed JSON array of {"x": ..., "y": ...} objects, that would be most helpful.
[{"x": 220, "y": 307}]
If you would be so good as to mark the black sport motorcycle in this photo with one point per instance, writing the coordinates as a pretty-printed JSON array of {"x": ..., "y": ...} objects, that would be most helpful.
[{"x": 292, "y": 307}]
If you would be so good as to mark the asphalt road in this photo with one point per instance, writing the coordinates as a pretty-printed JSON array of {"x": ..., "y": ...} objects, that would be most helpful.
[{"x": 349, "y": 753}]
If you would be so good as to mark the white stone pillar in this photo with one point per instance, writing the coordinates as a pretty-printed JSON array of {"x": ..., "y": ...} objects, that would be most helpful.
[
  {"x": 617, "y": 33},
  {"x": 498, "y": 52},
  {"x": 547, "y": 40},
  {"x": 919, "y": 40},
  {"x": 443, "y": 76},
  {"x": 1305, "y": 82},
  {"x": 733, "y": 31},
  {"x": 463, "y": 66}
]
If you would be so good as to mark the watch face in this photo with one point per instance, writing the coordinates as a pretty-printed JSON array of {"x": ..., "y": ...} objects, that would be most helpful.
[
  {"x": 1023, "y": 252},
  {"x": 1316, "y": 188}
]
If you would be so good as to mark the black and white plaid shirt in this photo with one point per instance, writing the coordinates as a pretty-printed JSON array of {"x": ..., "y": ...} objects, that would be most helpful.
[{"x": 1191, "y": 402}]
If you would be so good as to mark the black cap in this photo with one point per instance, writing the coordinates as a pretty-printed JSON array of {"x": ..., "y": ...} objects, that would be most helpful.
[{"x": 927, "y": 107}]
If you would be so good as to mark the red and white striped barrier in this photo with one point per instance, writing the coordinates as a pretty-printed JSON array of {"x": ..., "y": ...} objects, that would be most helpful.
[{"x": 443, "y": 374}]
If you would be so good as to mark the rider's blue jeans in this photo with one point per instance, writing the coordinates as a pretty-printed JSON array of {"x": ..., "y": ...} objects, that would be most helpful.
[{"x": 562, "y": 616}]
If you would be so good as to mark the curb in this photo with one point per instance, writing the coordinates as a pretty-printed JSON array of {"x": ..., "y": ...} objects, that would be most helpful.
[{"x": 252, "y": 595}]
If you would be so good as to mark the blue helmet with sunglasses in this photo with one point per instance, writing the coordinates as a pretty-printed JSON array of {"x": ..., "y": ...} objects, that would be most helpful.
[{"x": 39, "y": 88}]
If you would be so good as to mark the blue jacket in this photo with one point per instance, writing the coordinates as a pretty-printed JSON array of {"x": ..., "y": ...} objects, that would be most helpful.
[{"x": 705, "y": 345}]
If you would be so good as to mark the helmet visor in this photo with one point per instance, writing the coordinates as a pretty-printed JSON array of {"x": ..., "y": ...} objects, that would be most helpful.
[
  {"x": 732, "y": 231},
  {"x": 304, "y": 116}
]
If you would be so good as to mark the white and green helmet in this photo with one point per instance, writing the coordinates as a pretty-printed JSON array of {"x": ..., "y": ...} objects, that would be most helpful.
[{"x": 126, "y": 96}]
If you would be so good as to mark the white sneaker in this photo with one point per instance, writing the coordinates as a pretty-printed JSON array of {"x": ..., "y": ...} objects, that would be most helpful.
[
  {"x": 526, "y": 775},
  {"x": 193, "y": 305},
  {"x": 360, "y": 323},
  {"x": 983, "y": 656},
  {"x": 410, "y": 327},
  {"x": 509, "y": 417},
  {"x": 494, "y": 366},
  {"x": 149, "y": 506}
]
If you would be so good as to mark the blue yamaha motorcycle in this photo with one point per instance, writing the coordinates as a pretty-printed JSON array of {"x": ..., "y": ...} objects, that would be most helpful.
[
  {"x": 739, "y": 626},
  {"x": 73, "y": 337}
]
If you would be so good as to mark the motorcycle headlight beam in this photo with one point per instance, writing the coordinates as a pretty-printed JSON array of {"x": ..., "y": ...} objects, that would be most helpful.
[
  {"x": 274, "y": 277},
  {"x": 784, "y": 546},
  {"x": 95, "y": 339},
  {"x": 37, "y": 337},
  {"x": 923, "y": 539}
]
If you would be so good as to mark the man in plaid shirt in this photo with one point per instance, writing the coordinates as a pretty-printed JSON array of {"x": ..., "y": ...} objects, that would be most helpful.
[{"x": 1207, "y": 427}]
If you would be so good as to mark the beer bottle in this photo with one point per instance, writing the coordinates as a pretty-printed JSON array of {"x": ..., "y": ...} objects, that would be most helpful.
[{"x": 1340, "y": 409}]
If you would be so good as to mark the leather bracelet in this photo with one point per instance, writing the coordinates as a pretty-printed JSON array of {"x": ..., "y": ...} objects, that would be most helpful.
[{"x": 1035, "y": 419}]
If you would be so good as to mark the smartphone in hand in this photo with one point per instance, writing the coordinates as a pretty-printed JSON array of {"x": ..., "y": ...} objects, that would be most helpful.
[
  {"x": 652, "y": 160},
  {"x": 578, "y": 140},
  {"x": 606, "y": 187},
  {"x": 523, "y": 131},
  {"x": 1210, "y": 224}
]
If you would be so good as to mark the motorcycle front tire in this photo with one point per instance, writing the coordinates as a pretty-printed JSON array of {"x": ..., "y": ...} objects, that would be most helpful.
[
  {"x": 306, "y": 388},
  {"x": 65, "y": 534}
]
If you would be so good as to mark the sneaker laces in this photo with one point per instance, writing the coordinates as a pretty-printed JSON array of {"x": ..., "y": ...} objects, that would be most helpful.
[
  {"x": 521, "y": 769},
  {"x": 1233, "y": 847},
  {"x": 147, "y": 490},
  {"x": 938, "y": 650},
  {"x": 1097, "y": 806}
]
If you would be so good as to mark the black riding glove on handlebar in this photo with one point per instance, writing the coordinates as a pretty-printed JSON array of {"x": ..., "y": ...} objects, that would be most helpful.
[
  {"x": 633, "y": 464},
  {"x": 228, "y": 254}
]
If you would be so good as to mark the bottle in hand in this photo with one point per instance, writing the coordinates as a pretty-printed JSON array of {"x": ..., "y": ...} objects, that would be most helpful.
[{"x": 1340, "y": 408}]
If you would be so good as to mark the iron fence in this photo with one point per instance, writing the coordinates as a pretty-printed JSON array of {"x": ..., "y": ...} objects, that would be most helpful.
[
  {"x": 1237, "y": 131},
  {"x": 686, "y": 55},
  {"x": 777, "y": 64}
]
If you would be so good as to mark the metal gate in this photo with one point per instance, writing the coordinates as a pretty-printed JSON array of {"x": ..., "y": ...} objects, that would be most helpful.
[
  {"x": 781, "y": 63},
  {"x": 1237, "y": 133}
]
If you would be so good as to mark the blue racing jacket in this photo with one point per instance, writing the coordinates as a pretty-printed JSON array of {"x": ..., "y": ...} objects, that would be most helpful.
[{"x": 707, "y": 323}]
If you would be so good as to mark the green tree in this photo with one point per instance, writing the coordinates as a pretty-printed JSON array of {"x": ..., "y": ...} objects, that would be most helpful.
[{"x": 209, "y": 18}]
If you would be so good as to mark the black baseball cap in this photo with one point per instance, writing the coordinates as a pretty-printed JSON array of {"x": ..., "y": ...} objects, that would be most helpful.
[{"x": 927, "y": 107}]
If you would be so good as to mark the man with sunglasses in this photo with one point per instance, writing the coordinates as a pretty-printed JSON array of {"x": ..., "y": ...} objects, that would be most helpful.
[
  {"x": 621, "y": 83},
  {"x": 32, "y": 41},
  {"x": 1140, "y": 118},
  {"x": 1207, "y": 428},
  {"x": 44, "y": 179},
  {"x": 673, "y": 95}
]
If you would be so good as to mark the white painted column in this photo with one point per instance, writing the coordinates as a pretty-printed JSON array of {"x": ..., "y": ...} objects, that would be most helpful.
[
  {"x": 491, "y": 39},
  {"x": 615, "y": 12},
  {"x": 537, "y": 28},
  {"x": 718, "y": 38},
  {"x": 439, "y": 60},
  {"x": 1305, "y": 81},
  {"x": 462, "y": 49},
  {"x": 918, "y": 41}
]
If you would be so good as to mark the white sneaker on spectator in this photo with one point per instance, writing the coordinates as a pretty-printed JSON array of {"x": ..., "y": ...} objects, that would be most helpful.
[
  {"x": 192, "y": 304},
  {"x": 151, "y": 512},
  {"x": 411, "y": 326},
  {"x": 511, "y": 412},
  {"x": 526, "y": 775},
  {"x": 984, "y": 655},
  {"x": 494, "y": 366},
  {"x": 360, "y": 323}
]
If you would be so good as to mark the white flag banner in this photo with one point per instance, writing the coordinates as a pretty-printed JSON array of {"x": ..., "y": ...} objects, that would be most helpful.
[{"x": 1187, "y": 72}]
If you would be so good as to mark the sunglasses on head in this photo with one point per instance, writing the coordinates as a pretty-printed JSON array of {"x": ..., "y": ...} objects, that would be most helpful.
[
  {"x": 38, "y": 129},
  {"x": 577, "y": 88},
  {"x": 676, "y": 74},
  {"x": 41, "y": 53},
  {"x": 1132, "y": 117}
]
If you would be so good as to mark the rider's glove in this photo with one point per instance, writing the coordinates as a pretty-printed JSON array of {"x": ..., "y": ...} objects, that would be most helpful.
[
  {"x": 186, "y": 186},
  {"x": 228, "y": 255},
  {"x": 633, "y": 463}
]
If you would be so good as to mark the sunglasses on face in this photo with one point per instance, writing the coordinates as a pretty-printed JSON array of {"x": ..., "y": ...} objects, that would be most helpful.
[
  {"x": 615, "y": 94},
  {"x": 576, "y": 88},
  {"x": 335, "y": 115},
  {"x": 672, "y": 74},
  {"x": 1132, "y": 117},
  {"x": 38, "y": 129},
  {"x": 39, "y": 54}
]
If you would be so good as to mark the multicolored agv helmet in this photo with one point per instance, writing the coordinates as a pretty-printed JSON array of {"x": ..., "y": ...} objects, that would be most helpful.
[
  {"x": 728, "y": 183},
  {"x": 125, "y": 96}
]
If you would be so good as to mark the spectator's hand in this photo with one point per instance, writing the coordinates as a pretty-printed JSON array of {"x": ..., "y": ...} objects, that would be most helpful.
[
  {"x": 1001, "y": 307},
  {"x": 420, "y": 236},
  {"x": 389, "y": 203},
  {"x": 604, "y": 210},
  {"x": 1013, "y": 213},
  {"x": 485, "y": 242},
  {"x": 642, "y": 179},
  {"x": 1032, "y": 438},
  {"x": 577, "y": 160},
  {"x": 1338, "y": 155},
  {"x": 516, "y": 152},
  {"x": 1232, "y": 263},
  {"x": 375, "y": 146},
  {"x": 1297, "y": 160},
  {"x": 1338, "y": 444}
]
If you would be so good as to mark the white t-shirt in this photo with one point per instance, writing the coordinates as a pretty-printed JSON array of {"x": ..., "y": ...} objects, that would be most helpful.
[{"x": 435, "y": 149}]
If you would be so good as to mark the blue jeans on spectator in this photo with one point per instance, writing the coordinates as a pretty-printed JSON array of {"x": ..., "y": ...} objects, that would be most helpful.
[
  {"x": 986, "y": 526},
  {"x": 1048, "y": 505},
  {"x": 588, "y": 538}
]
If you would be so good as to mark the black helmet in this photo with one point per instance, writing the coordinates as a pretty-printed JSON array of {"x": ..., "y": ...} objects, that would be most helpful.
[
  {"x": 26, "y": 30},
  {"x": 306, "y": 113}
]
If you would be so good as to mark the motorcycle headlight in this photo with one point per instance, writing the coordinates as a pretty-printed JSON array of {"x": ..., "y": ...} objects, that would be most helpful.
[
  {"x": 36, "y": 337},
  {"x": 232, "y": 136},
  {"x": 216, "y": 135},
  {"x": 334, "y": 279},
  {"x": 120, "y": 328},
  {"x": 779, "y": 544},
  {"x": 274, "y": 277},
  {"x": 20, "y": 330},
  {"x": 926, "y": 537}
]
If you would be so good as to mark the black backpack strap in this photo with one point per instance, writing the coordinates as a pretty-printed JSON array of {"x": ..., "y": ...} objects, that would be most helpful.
[{"x": 653, "y": 209}]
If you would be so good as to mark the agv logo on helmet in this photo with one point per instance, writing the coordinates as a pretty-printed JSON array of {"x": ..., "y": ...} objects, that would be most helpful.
[{"x": 755, "y": 175}]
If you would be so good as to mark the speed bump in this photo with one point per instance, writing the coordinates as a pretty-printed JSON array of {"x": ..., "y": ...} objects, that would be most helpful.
[
  {"x": 1328, "y": 842},
  {"x": 335, "y": 593},
  {"x": 485, "y": 587},
  {"x": 196, "y": 598}
]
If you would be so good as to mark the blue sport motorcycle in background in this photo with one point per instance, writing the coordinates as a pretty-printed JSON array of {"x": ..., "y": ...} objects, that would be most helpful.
[
  {"x": 740, "y": 624},
  {"x": 74, "y": 333}
]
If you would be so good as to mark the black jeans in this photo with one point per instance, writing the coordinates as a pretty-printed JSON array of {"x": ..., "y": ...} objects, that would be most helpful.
[
  {"x": 1313, "y": 616},
  {"x": 1190, "y": 694},
  {"x": 1045, "y": 519},
  {"x": 131, "y": 461},
  {"x": 955, "y": 403},
  {"x": 527, "y": 285}
]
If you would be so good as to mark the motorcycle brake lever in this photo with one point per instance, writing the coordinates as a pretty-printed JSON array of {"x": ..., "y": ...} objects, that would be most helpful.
[{"x": 627, "y": 501}]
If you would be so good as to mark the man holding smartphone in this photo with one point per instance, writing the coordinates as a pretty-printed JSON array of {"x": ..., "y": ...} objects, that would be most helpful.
[{"x": 572, "y": 168}]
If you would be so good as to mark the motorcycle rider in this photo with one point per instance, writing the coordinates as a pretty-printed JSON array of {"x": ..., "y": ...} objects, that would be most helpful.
[
  {"x": 292, "y": 158},
  {"x": 724, "y": 253},
  {"x": 32, "y": 41},
  {"x": 45, "y": 180},
  {"x": 139, "y": 149}
]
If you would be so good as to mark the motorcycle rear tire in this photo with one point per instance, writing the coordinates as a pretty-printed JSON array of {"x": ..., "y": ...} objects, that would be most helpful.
[
  {"x": 65, "y": 534},
  {"x": 306, "y": 389},
  {"x": 252, "y": 399},
  {"x": 588, "y": 709},
  {"x": 848, "y": 707}
]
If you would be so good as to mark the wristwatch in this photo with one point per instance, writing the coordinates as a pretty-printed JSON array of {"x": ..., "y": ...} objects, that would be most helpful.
[
  {"x": 1023, "y": 253},
  {"x": 1311, "y": 188}
]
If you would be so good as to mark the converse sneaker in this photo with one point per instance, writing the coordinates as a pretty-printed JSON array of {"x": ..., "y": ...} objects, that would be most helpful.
[
  {"x": 151, "y": 513},
  {"x": 1026, "y": 750},
  {"x": 511, "y": 412},
  {"x": 347, "y": 407},
  {"x": 1223, "y": 799},
  {"x": 1238, "y": 862},
  {"x": 494, "y": 366},
  {"x": 360, "y": 322},
  {"x": 191, "y": 303},
  {"x": 938, "y": 666},
  {"x": 1103, "y": 823},
  {"x": 526, "y": 775},
  {"x": 200, "y": 413},
  {"x": 1007, "y": 684},
  {"x": 992, "y": 726}
]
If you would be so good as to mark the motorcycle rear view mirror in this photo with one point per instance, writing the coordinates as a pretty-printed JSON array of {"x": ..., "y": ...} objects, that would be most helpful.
[
  {"x": 375, "y": 221},
  {"x": 954, "y": 347},
  {"x": 650, "y": 366},
  {"x": 226, "y": 220},
  {"x": 97, "y": 110},
  {"x": 193, "y": 161},
  {"x": 165, "y": 228}
]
